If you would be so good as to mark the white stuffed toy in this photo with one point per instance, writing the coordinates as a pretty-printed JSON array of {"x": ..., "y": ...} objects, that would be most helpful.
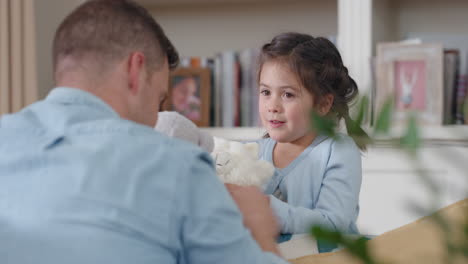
[
  {"x": 178, "y": 126},
  {"x": 236, "y": 163}
]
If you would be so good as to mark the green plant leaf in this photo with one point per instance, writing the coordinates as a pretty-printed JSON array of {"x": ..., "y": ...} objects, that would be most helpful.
[
  {"x": 363, "y": 110},
  {"x": 411, "y": 140},
  {"x": 384, "y": 119},
  {"x": 326, "y": 235},
  {"x": 358, "y": 134},
  {"x": 357, "y": 247},
  {"x": 323, "y": 125},
  {"x": 354, "y": 128}
]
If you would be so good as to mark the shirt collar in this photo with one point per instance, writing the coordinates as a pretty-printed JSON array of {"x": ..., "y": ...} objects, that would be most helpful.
[{"x": 69, "y": 95}]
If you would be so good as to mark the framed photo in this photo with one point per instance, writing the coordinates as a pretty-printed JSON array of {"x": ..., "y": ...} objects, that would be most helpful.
[
  {"x": 412, "y": 75},
  {"x": 189, "y": 94}
]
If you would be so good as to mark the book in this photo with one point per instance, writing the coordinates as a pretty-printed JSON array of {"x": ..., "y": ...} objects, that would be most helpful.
[
  {"x": 460, "y": 98},
  {"x": 248, "y": 87},
  {"x": 228, "y": 88},
  {"x": 451, "y": 67}
]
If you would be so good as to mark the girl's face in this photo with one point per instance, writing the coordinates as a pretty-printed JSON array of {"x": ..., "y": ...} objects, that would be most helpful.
[{"x": 284, "y": 104}]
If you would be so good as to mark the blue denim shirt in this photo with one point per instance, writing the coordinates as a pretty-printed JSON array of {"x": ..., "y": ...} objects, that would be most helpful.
[
  {"x": 320, "y": 187},
  {"x": 78, "y": 184}
]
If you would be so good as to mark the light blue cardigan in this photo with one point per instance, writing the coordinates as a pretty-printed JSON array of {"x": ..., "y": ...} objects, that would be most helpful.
[{"x": 321, "y": 186}]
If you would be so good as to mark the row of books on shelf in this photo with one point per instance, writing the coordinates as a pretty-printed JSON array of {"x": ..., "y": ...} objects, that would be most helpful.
[
  {"x": 233, "y": 91},
  {"x": 422, "y": 77},
  {"x": 455, "y": 87}
]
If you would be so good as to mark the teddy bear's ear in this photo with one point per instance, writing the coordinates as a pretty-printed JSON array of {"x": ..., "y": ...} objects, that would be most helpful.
[{"x": 252, "y": 149}]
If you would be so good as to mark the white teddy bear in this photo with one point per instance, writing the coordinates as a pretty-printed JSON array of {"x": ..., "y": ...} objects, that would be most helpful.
[
  {"x": 178, "y": 126},
  {"x": 236, "y": 163}
]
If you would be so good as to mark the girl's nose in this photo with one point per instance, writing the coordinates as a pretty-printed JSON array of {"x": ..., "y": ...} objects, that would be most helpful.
[{"x": 274, "y": 106}]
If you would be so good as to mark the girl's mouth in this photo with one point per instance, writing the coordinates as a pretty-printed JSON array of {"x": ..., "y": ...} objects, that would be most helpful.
[{"x": 276, "y": 123}]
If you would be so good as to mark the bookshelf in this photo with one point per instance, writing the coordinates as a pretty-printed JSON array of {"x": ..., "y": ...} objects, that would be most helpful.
[
  {"x": 453, "y": 134},
  {"x": 206, "y": 27},
  {"x": 390, "y": 179}
]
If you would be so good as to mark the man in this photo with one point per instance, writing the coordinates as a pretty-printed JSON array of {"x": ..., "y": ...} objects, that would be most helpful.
[{"x": 85, "y": 179}]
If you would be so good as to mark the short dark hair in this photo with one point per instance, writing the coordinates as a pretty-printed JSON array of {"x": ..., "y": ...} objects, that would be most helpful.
[{"x": 108, "y": 30}]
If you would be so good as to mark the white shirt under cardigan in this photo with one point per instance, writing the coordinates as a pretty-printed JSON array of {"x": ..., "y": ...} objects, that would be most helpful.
[{"x": 320, "y": 187}]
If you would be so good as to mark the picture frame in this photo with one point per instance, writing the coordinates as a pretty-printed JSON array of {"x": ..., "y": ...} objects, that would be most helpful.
[
  {"x": 189, "y": 94},
  {"x": 411, "y": 75}
]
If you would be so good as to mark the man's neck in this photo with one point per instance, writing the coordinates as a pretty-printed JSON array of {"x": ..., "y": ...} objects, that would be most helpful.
[{"x": 107, "y": 90}]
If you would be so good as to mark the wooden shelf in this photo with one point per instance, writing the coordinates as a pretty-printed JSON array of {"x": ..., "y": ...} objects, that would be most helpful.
[
  {"x": 236, "y": 133},
  {"x": 450, "y": 133},
  {"x": 440, "y": 133}
]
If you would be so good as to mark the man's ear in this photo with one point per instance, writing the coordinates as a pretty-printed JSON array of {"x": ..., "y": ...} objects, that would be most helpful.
[
  {"x": 135, "y": 68},
  {"x": 326, "y": 104}
]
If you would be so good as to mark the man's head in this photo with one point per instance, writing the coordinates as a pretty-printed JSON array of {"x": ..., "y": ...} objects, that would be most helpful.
[{"x": 116, "y": 50}]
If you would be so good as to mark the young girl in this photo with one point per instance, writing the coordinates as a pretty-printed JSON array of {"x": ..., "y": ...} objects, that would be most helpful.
[{"x": 317, "y": 178}]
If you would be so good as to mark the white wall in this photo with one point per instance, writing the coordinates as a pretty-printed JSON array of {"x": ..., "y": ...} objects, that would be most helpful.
[
  {"x": 384, "y": 24},
  {"x": 205, "y": 29},
  {"x": 49, "y": 14},
  {"x": 426, "y": 16},
  {"x": 394, "y": 20}
]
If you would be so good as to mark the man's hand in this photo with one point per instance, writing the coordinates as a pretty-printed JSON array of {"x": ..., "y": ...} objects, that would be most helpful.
[{"x": 257, "y": 214}]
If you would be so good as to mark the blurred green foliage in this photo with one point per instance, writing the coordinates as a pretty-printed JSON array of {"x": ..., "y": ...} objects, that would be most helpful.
[{"x": 410, "y": 142}]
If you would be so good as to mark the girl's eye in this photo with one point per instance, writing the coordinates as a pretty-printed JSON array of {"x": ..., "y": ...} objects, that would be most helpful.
[
  {"x": 265, "y": 92},
  {"x": 288, "y": 95}
]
